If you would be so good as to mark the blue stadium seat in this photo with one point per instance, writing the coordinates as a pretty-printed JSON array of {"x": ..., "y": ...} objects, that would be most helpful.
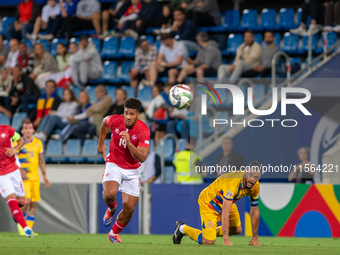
[
  {"x": 296, "y": 60},
  {"x": 304, "y": 46},
  {"x": 145, "y": 94},
  {"x": 73, "y": 148},
  {"x": 28, "y": 43},
  {"x": 234, "y": 41},
  {"x": 331, "y": 38},
  {"x": 126, "y": 67},
  {"x": 223, "y": 27},
  {"x": 268, "y": 20},
  {"x": 169, "y": 149},
  {"x": 17, "y": 120},
  {"x": 130, "y": 92},
  {"x": 54, "y": 45},
  {"x": 158, "y": 42},
  {"x": 111, "y": 92},
  {"x": 90, "y": 149},
  {"x": 149, "y": 38},
  {"x": 4, "y": 120},
  {"x": 182, "y": 144},
  {"x": 110, "y": 72},
  {"x": 91, "y": 90},
  {"x": 221, "y": 39},
  {"x": 55, "y": 148},
  {"x": 60, "y": 92},
  {"x": 249, "y": 20},
  {"x": 45, "y": 44},
  {"x": 286, "y": 18},
  {"x": 76, "y": 91},
  {"x": 107, "y": 144},
  {"x": 258, "y": 38},
  {"x": 110, "y": 48},
  {"x": 259, "y": 92},
  {"x": 127, "y": 47},
  {"x": 169, "y": 174},
  {"x": 290, "y": 43},
  {"x": 5, "y": 22},
  {"x": 277, "y": 40},
  {"x": 96, "y": 42},
  {"x": 76, "y": 40},
  {"x": 150, "y": 30}
]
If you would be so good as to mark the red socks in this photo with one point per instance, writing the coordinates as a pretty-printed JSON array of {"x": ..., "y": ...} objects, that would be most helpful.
[
  {"x": 112, "y": 206},
  {"x": 16, "y": 212},
  {"x": 117, "y": 227}
]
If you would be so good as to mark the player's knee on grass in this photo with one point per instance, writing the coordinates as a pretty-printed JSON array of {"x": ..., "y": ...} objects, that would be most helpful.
[{"x": 207, "y": 242}]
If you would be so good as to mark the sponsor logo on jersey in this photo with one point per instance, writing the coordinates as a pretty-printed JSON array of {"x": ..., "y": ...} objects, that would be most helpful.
[{"x": 229, "y": 194}]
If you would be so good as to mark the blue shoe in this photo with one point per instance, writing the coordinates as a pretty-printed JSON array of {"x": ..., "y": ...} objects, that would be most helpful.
[
  {"x": 108, "y": 217},
  {"x": 29, "y": 233},
  {"x": 113, "y": 238}
]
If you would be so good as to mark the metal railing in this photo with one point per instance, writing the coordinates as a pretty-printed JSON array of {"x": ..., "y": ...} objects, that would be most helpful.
[{"x": 275, "y": 58}]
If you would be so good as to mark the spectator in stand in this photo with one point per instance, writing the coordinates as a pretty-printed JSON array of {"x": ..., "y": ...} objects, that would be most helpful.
[
  {"x": 23, "y": 91},
  {"x": 185, "y": 29},
  {"x": 111, "y": 16},
  {"x": 63, "y": 57},
  {"x": 66, "y": 79},
  {"x": 48, "y": 101},
  {"x": 13, "y": 54},
  {"x": 170, "y": 60},
  {"x": 126, "y": 21},
  {"x": 207, "y": 61},
  {"x": 87, "y": 18},
  {"x": 94, "y": 114},
  {"x": 169, "y": 9},
  {"x": 5, "y": 84},
  {"x": 264, "y": 67},
  {"x": 177, "y": 123},
  {"x": 332, "y": 15},
  {"x": 86, "y": 63},
  {"x": 151, "y": 169},
  {"x": 25, "y": 58},
  {"x": 315, "y": 9},
  {"x": 157, "y": 110},
  {"x": 150, "y": 15},
  {"x": 118, "y": 105},
  {"x": 3, "y": 51},
  {"x": 145, "y": 55},
  {"x": 44, "y": 65},
  {"x": 26, "y": 14},
  {"x": 46, "y": 21},
  {"x": 57, "y": 119},
  {"x": 204, "y": 13},
  {"x": 229, "y": 158},
  {"x": 83, "y": 105},
  {"x": 247, "y": 57}
]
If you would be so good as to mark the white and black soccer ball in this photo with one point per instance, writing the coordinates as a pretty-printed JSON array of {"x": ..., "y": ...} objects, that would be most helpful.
[{"x": 180, "y": 96}]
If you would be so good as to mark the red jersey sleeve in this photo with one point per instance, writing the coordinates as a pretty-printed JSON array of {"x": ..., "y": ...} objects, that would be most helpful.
[
  {"x": 110, "y": 120},
  {"x": 144, "y": 140},
  {"x": 11, "y": 131}
]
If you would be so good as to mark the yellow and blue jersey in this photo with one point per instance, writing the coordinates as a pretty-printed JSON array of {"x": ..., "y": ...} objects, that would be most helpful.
[
  {"x": 29, "y": 158},
  {"x": 229, "y": 186}
]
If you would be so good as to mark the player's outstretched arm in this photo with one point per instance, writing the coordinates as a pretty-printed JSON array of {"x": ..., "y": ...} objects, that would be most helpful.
[
  {"x": 104, "y": 128},
  {"x": 255, "y": 219},
  {"x": 226, "y": 208},
  {"x": 42, "y": 165}
]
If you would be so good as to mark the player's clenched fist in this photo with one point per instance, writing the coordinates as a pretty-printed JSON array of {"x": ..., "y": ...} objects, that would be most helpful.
[
  {"x": 254, "y": 242},
  {"x": 126, "y": 137},
  {"x": 101, "y": 149},
  {"x": 10, "y": 152}
]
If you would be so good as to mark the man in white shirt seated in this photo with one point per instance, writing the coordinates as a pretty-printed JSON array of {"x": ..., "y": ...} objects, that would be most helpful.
[
  {"x": 12, "y": 57},
  {"x": 170, "y": 60},
  {"x": 45, "y": 22}
]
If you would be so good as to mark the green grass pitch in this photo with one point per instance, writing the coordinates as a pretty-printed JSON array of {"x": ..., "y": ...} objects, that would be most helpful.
[{"x": 65, "y": 244}]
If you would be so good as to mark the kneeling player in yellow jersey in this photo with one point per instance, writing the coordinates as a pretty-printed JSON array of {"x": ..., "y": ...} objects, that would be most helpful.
[
  {"x": 31, "y": 158},
  {"x": 217, "y": 203}
]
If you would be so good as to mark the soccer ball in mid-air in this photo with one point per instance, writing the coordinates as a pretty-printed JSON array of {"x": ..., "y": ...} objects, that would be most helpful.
[{"x": 180, "y": 96}]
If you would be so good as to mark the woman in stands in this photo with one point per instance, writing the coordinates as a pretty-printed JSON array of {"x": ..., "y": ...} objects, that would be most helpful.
[
  {"x": 83, "y": 104},
  {"x": 58, "y": 118}
]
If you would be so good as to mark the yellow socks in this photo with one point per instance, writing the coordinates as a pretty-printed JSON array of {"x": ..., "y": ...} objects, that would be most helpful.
[
  {"x": 193, "y": 233},
  {"x": 30, "y": 221}
]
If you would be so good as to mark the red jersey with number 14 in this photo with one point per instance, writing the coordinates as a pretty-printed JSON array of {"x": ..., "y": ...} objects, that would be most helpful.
[
  {"x": 7, "y": 164},
  {"x": 119, "y": 153}
]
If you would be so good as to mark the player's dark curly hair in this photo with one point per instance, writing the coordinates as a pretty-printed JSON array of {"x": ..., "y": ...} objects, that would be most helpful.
[{"x": 133, "y": 103}]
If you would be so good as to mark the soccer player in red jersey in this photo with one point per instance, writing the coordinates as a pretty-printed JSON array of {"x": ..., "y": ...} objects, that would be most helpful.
[
  {"x": 11, "y": 185},
  {"x": 129, "y": 147}
]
